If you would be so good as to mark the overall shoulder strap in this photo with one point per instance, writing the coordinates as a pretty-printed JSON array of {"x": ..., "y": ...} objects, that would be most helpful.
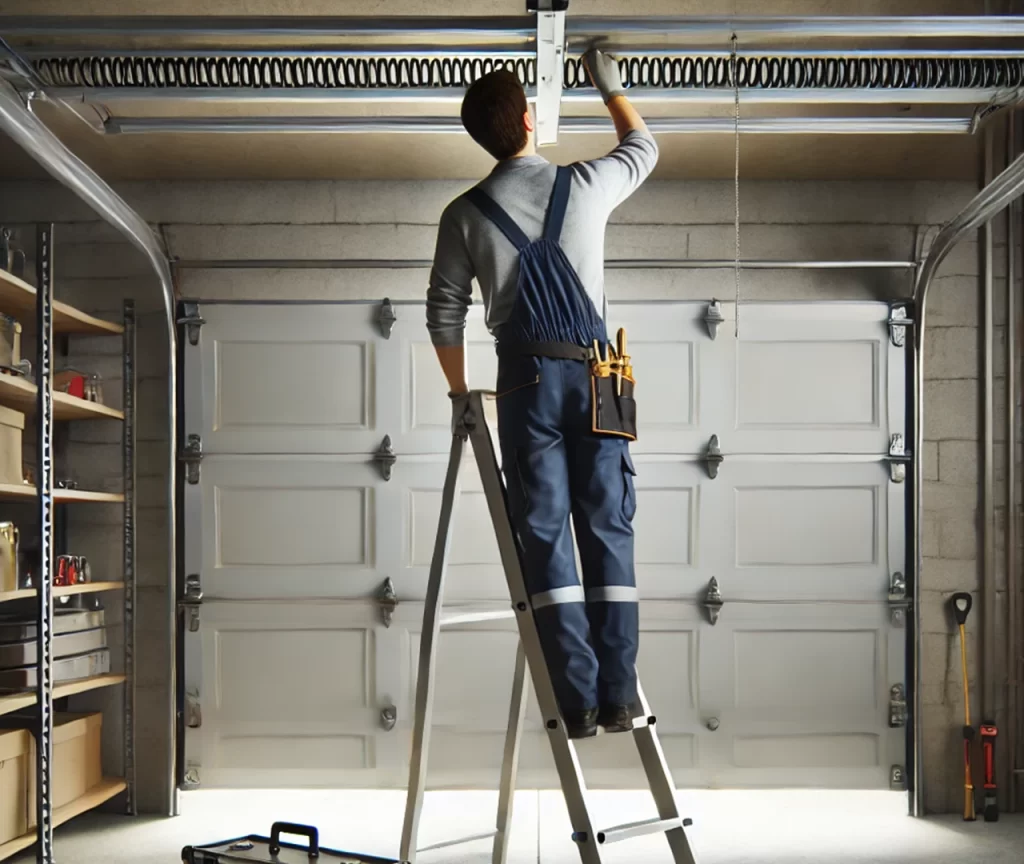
[
  {"x": 489, "y": 207},
  {"x": 559, "y": 201}
]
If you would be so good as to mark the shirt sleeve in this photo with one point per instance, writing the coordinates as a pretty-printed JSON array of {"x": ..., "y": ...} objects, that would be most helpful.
[
  {"x": 619, "y": 174},
  {"x": 450, "y": 292}
]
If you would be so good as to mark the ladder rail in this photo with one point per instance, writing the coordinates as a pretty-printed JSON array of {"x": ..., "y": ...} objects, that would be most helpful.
[
  {"x": 428, "y": 655},
  {"x": 570, "y": 773},
  {"x": 510, "y": 759}
]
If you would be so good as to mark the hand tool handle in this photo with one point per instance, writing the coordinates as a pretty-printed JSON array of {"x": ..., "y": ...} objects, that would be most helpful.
[
  {"x": 961, "y": 603},
  {"x": 988, "y": 751},
  {"x": 969, "y": 814},
  {"x": 307, "y": 831}
]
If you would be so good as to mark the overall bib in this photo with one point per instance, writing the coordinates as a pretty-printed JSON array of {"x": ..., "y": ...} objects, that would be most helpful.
[{"x": 555, "y": 467}]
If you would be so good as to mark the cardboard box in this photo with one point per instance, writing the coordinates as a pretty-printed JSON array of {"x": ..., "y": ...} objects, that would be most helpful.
[
  {"x": 16, "y": 755},
  {"x": 12, "y": 424},
  {"x": 77, "y": 759}
]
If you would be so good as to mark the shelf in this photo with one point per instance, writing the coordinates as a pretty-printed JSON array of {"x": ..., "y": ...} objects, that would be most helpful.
[
  {"x": 18, "y": 298},
  {"x": 19, "y": 394},
  {"x": 17, "y": 701},
  {"x": 100, "y": 794},
  {"x": 23, "y": 492},
  {"x": 63, "y": 590}
]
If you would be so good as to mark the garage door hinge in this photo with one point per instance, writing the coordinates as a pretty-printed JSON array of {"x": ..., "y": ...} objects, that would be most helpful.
[
  {"x": 387, "y": 601},
  {"x": 191, "y": 602},
  {"x": 898, "y": 603},
  {"x": 713, "y": 457},
  {"x": 193, "y": 710},
  {"x": 386, "y": 318},
  {"x": 899, "y": 457},
  {"x": 899, "y": 320},
  {"x": 191, "y": 776},
  {"x": 897, "y": 706},
  {"x": 192, "y": 320},
  {"x": 385, "y": 457},
  {"x": 713, "y": 601},
  {"x": 897, "y": 778},
  {"x": 192, "y": 456},
  {"x": 713, "y": 318}
]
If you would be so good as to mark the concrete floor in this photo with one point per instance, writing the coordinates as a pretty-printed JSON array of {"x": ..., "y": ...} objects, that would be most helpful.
[{"x": 729, "y": 828}]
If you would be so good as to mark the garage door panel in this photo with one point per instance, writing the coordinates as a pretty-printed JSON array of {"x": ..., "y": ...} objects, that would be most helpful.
[
  {"x": 805, "y": 530},
  {"x": 290, "y": 527},
  {"x": 800, "y": 687},
  {"x": 288, "y": 694},
  {"x": 286, "y": 379},
  {"x": 809, "y": 378}
]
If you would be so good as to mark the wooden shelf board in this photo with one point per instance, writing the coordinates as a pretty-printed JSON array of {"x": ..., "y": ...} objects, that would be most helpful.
[
  {"x": 63, "y": 590},
  {"x": 19, "y": 394},
  {"x": 18, "y": 298},
  {"x": 12, "y": 702},
  {"x": 16, "y": 492},
  {"x": 99, "y": 794}
]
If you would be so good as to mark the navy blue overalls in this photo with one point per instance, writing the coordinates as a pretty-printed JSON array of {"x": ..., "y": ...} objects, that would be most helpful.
[{"x": 555, "y": 465}]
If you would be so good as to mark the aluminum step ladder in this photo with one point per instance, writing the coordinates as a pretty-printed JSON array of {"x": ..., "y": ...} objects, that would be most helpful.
[{"x": 589, "y": 841}]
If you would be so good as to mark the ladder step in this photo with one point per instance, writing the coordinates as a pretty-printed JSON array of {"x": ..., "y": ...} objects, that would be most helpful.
[
  {"x": 452, "y": 618},
  {"x": 487, "y": 835},
  {"x": 637, "y": 829}
]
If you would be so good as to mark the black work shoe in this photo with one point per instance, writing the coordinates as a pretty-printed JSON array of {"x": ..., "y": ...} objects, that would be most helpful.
[
  {"x": 618, "y": 718},
  {"x": 580, "y": 724}
]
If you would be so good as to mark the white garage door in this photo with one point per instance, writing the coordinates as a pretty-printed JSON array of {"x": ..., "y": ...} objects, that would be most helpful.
[{"x": 292, "y": 530}]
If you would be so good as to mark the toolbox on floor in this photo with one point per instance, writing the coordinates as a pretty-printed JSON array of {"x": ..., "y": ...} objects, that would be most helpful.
[{"x": 270, "y": 850}]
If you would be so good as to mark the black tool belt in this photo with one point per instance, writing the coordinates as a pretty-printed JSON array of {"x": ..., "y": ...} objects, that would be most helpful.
[{"x": 554, "y": 350}]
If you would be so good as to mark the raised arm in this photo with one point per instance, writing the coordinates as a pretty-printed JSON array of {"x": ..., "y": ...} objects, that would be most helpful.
[{"x": 604, "y": 72}]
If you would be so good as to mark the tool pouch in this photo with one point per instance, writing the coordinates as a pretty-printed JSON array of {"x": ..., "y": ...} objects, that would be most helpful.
[{"x": 612, "y": 389}]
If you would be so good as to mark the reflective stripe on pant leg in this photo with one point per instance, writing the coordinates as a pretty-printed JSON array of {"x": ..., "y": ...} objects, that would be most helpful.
[
  {"x": 569, "y": 594},
  {"x": 613, "y": 594}
]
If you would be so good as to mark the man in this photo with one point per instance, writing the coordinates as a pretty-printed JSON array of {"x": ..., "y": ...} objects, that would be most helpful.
[{"x": 533, "y": 237}]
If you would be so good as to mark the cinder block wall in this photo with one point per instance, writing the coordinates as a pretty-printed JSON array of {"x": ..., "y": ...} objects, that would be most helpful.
[{"x": 95, "y": 269}]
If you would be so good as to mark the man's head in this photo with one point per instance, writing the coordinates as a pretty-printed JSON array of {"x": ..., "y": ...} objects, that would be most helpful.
[{"x": 496, "y": 115}]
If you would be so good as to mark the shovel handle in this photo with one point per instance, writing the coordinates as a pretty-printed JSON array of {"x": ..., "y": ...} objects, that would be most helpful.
[{"x": 961, "y": 603}]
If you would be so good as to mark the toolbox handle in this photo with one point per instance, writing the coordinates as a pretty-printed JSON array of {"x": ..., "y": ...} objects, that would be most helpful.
[{"x": 307, "y": 831}]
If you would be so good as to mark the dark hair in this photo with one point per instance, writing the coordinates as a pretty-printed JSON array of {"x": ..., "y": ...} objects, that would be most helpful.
[{"x": 492, "y": 112}]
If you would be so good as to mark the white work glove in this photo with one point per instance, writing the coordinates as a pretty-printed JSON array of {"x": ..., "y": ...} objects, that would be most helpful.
[
  {"x": 604, "y": 72},
  {"x": 462, "y": 417}
]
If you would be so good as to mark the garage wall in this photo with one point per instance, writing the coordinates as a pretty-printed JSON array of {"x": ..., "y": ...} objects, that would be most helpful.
[{"x": 96, "y": 270}]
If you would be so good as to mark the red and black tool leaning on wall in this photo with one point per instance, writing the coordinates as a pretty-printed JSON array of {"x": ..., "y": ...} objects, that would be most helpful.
[
  {"x": 988, "y": 752},
  {"x": 961, "y": 605}
]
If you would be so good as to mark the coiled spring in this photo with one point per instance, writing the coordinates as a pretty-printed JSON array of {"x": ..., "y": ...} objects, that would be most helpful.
[{"x": 391, "y": 72}]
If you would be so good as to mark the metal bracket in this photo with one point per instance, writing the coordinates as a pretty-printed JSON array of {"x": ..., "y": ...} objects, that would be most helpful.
[
  {"x": 192, "y": 456},
  {"x": 192, "y": 600},
  {"x": 385, "y": 458},
  {"x": 897, "y": 706},
  {"x": 713, "y": 601},
  {"x": 899, "y": 320},
  {"x": 192, "y": 321},
  {"x": 899, "y": 457},
  {"x": 387, "y": 600},
  {"x": 897, "y": 778},
  {"x": 550, "y": 67},
  {"x": 386, "y": 318},
  {"x": 713, "y": 318},
  {"x": 388, "y": 717},
  {"x": 898, "y": 603},
  {"x": 193, "y": 710},
  {"x": 191, "y": 777},
  {"x": 713, "y": 457}
]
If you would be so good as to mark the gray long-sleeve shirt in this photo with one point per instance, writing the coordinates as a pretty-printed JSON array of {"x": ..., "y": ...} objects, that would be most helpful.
[{"x": 469, "y": 245}]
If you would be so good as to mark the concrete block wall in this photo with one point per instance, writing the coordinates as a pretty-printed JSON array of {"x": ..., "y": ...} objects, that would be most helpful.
[{"x": 95, "y": 270}]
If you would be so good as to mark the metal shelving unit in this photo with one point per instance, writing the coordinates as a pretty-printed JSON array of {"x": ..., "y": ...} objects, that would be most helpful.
[{"x": 38, "y": 399}]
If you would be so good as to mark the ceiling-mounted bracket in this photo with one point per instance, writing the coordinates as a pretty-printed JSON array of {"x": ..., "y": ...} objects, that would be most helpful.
[{"x": 550, "y": 66}]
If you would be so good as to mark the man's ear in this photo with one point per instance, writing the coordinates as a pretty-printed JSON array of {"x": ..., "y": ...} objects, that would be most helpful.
[{"x": 528, "y": 120}]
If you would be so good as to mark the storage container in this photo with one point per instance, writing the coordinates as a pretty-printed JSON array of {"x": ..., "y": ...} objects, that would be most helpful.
[
  {"x": 12, "y": 424},
  {"x": 16, "y": 755},
  {"x": 77, "y": 759}
]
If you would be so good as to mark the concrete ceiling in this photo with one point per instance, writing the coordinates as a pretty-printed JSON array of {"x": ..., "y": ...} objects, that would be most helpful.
[{"x": 454, "y": 156}]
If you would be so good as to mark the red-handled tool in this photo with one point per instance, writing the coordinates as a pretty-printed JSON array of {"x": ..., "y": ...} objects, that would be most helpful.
[
  {"x": 988, "y": 751},
  {"x": 961, "y": 604}
]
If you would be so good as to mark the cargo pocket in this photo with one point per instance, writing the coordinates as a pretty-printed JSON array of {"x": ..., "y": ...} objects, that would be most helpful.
[
  {"x": 515, "y": 488},
  {"x": 517, "y": 373},
  {"x": 629, "y": 495}
]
